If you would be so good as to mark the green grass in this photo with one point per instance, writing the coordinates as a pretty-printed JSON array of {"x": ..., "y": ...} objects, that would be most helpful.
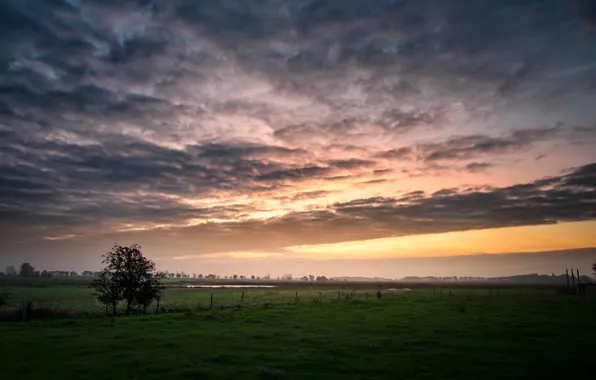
[{"x": 416, "y": 336}]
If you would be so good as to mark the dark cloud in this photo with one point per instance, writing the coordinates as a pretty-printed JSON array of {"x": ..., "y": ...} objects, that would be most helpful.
[
  {"x": 473, "y": 146},
  {"x": 587, "y": 12},
  {"x": 297, "y": 173},
  {"x": 353, "y": 163},
  {"x": 396, "y": 154},
  {"x": 475, "y": 167}
]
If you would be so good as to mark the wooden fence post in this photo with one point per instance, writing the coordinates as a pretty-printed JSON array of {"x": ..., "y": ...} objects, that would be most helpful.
[
  {"x": 242, "y": 299},
  {"x": 296, "y": 298},
  {"x": 567, "y": 277},
  {"x": 211, "y": 301}
]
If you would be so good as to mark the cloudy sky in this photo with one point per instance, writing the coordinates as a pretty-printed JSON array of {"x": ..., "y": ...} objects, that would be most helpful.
[{"x": 334, "y": 134}]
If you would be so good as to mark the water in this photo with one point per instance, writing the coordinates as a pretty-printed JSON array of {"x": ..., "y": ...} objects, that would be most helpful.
[{"x": 229, "y": 286}]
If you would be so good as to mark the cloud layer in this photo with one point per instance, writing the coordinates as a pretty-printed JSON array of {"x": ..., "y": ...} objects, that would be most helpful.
[{"x": 285, "y": 122}]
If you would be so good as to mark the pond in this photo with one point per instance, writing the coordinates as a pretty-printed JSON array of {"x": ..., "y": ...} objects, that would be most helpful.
[{"x": 229, "y": 286}]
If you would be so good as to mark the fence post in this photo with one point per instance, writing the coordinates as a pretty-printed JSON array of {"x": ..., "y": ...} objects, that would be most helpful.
[
  {"x": 296, "y": 298},
  {"x": 567, "y": 277},
  {"x": 338, "y": 295},
  {"x": 211, "y": 301},
  {"x": 578, "y": 284},
  {"x": 242, "y": 299}
]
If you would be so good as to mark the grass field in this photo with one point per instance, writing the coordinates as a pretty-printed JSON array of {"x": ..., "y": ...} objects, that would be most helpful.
[{"x": 416, "y": 335}]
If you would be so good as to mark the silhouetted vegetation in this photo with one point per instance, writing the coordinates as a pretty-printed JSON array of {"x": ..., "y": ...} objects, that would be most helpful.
[
  {"x": 27, "y": 270},
  {"x": 128, "y": 277},
  {"x": 10, "y": 270}
]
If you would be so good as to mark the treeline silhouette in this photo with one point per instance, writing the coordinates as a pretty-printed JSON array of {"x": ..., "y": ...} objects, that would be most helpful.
[
  {"x": 532, "y": 278},
  {"x": 28, "y": 271}
]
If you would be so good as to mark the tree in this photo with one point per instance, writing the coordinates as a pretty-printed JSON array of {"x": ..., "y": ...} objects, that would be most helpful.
[
  {"x": 108, "y": 290},
  {"x": 149, "y": 290},
  {"x": 311, "y": 277},
  {"x": 27, "y": 270},
  {"x": 10, "y": 270},
  {"x": 594, "y": 269},
  {"x": 134, "y": 274}
]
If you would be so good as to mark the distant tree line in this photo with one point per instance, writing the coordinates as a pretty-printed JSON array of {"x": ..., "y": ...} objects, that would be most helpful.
[
  {"x": 27, "y": 270},
  {"x": 533, "y": 278}
]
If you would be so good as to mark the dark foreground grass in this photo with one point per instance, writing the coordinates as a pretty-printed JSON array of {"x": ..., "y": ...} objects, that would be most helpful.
[{"x": 466, "y": 337}]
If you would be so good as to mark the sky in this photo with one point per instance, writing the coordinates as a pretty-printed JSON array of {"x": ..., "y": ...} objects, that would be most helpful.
[{"x": 352, "y": 137}]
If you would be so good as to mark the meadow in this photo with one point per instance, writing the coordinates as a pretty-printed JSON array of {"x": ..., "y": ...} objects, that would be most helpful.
[{"x": 417, "y": 334}]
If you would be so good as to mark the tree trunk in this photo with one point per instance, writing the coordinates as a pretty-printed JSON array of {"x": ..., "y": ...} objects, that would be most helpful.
[
  {"x": 128, "y": 306},
  {"x": 114, "y": 308}
]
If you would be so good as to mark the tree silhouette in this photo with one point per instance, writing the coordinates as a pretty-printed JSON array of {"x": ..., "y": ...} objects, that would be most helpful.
[
  {"x": 594, "y": 269},
  {"x": 27, "y": 270},
  {"x": 10, "y": 270},
  {"x": 134, "y": 274},
  {"x": 149, "y": 290},
  {"x": 108, "y": 290}
]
